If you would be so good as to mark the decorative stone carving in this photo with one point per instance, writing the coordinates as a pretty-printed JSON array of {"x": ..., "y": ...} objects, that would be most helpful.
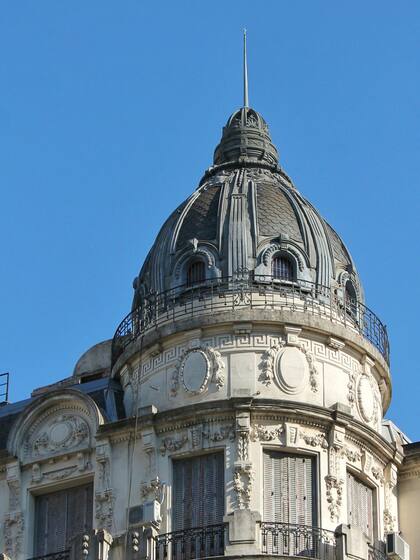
[
  {"x": 196, "y": 368},
  {"x": 366, "y": 400},
  {"x": 291, "y": 365},
  {"x": 378, "y": 474},
  {"x": 13, "y": 483},
  {"x": 104, "y": 508},
  {"x": 243, "y": 433},
  {"x": 334, "y": 488},
  {"x": 170, "y": 444},
  {"x": 351, "y": 388},
  {"x": 267, "y": 363},
  {"x": 197, "y": 436},
  {"x": 390, "y": 519},
  {"x": 263, "y": 433},
  {"x": 13, "y": 533},
  {"x": 315, "y": 440},
  {"x": 292, "y": 370},
  {"x": 284, "y": 246},
  {"x": 154, "y": 490},
  {"x": 63, "y": 433},
  {"x": 222, "y": 433},
  {"x": 243, "y": 478},
  {"x": 103, "y": 460},
  {"x": 352, "y": 455}
]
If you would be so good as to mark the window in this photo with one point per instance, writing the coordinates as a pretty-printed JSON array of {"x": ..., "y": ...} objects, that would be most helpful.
[
  {"x": 281, "y": 268},
  {"x": 289, "y": 494},
  {"x": 360, "y": 505},
  {"x": 196, "y": 273},
  {"x": 350, "y": 300},
  {"x": 198, "y": 491},
  {"x": 61, "y": 515}
]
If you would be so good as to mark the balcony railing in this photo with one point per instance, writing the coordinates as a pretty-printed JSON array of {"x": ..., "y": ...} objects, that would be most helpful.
[
  {"x": 285, "y": 539},
  {"x": 189, "y": 544},
  {"x": 62, "y": 555},
  {"x": 234, "y": 294},
  {"x": 375, "y": 553}
]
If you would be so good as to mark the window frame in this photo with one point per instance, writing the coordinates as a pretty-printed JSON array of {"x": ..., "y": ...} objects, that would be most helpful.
[
  {"x": 316, "y": 494},
  {"x": 375, "y": 496},
  {"x": 44, "y": 490},
  {"x": 190, "y": 456}
]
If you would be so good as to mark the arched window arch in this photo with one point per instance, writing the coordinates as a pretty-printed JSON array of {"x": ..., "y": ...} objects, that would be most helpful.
[
  {"x": 196, "y": 272},
  {"x": 350, "y": 292},
  {"x": 282, "y": 268},
  {"x": 350, "y": 296}
]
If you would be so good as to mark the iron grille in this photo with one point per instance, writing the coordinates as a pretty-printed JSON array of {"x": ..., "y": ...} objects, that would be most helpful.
[
  {"x": 62, "y": 555},
  {"x": 228, "y": 294},
  {"x": 286, "y": 539},
  {"x": 189, "y": 544},
  {"x": 4, "y": 387}
]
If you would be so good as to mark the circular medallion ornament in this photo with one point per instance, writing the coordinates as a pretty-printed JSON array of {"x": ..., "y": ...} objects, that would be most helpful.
[
  {"x": 60, "y": 433},
  {"x": 195, "y": 371},
  {"x": 292, "y": 370},
  {"x": 366, "y": 398}
]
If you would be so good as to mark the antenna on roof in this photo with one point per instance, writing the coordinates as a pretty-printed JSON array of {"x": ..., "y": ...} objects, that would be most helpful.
[
  {"x": 246, "y": 102},
  {"x": 4, "y": 388}
]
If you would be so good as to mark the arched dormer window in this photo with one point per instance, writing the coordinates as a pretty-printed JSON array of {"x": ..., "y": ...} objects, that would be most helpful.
[
  {"x": 196, "y": 272},
  {"x": 282, "y": 268},
  {"x": 350, "y": 291},
  {"x": 350, "y": 296}
]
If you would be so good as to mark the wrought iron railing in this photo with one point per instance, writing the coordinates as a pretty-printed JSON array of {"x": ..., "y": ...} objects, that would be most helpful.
[
  {"x": 61, "y": 555},
  {"x": 286, "y": 539},
  {"x": 189, "y": 544},
  {"x": 377, "y": 552},
  {"x": 248, "y": 291}
]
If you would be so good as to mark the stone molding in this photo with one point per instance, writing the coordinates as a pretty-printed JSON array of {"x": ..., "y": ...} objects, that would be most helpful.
[
  {"x": 55, "y": 424},
  {"x": 271, "y": 363},
  {"x": 213, "y": 370}
]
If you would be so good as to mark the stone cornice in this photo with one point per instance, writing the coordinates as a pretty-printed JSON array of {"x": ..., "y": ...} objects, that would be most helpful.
[{"x": 261, "y": 409}]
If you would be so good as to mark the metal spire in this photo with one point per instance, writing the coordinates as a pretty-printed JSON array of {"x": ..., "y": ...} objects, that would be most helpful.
[{"x": 246, "y": 104}]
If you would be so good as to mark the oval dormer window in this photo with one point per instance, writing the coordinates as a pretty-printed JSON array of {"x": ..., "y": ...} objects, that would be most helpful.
[
  {"x": 196, "y": 273},
  {"x": 281, "y": 268}
]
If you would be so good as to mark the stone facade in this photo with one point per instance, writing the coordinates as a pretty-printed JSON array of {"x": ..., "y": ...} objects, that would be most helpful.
[{"x": 239, "y": 364}]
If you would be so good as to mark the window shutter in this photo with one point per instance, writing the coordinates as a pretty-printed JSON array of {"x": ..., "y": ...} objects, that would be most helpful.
[
  {"x": 61, "y": 515},
  {"x": 359, "y": 505},
  {"x": 288, "y": 488},
  {"x": 198, "y": 491}
]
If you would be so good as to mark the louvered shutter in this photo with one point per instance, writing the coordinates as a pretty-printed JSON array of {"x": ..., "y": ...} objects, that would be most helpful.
[
  {"x": 61, "y": 515},
  {"x": 359, "y": 505},
  {"x": 198, "y": 491},
  {"x": 288, "y": 488}
]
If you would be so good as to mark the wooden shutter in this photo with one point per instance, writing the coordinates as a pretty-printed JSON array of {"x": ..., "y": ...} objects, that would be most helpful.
[
  {"x": 60, "y": 516},
  {"x": 359, "y": 505},
  {"x": 198, "y": 491},
  {"x": 289, "y": 488}
]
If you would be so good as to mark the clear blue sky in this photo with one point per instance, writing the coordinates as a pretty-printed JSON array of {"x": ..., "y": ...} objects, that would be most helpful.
[{"x": 110, "y": 112}]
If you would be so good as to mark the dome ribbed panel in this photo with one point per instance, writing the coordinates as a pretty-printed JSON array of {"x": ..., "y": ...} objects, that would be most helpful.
[
  {"x": 201, "y": 220},
  {"x": 339, "y": 250},
  {"x": 275, "y": 213}
]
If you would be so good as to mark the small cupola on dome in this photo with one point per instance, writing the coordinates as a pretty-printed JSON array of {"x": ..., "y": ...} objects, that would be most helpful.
[{"x": 246, "y": 138}]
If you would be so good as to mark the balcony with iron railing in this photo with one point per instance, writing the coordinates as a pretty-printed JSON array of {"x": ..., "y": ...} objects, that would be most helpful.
[
  {"x": 272, "y": 539},
  {"x": 234, "y": 294}
]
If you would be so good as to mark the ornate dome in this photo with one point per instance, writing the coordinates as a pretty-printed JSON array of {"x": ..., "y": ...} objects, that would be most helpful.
[{"x": 245, "y": 213}]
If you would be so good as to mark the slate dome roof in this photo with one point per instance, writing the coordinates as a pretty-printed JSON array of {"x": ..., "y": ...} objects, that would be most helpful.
[{"x": 244, "y": 211}]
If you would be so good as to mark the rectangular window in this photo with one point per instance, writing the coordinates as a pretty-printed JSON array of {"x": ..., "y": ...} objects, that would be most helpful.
[
  {"x": 198, "y": 491},
  {"x": 61, "y": 515},
  {"x": 360, "y": 505},
  {"x": 289, "y": 489}
]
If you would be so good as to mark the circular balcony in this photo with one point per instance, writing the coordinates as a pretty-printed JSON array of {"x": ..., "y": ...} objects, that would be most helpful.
[{"x": 234, "y": 294}]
